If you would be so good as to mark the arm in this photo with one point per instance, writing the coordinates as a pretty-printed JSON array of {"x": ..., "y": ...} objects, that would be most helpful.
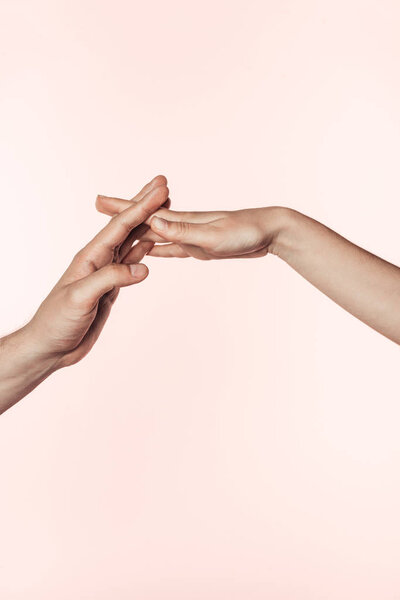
[
  {"x": 70, "y": 319},
  {"x": 363, "y": 284},
  {"x": 22, "y": 368}
]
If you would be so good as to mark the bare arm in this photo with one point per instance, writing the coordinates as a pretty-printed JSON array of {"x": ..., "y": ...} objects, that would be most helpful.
[
  {"x": 363, "y": 284},
  {"x": 22, "y": 368}
]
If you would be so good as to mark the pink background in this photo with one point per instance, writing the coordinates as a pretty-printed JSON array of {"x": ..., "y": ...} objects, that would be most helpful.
[{"x": 234, "y": 434}]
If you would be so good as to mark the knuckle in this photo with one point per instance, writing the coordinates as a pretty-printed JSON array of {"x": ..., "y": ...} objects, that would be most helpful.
[
  {"x": 84, "y": 260},
  {"x": 145, "y": 212},
  {"x": 74, "y": 295},
  {"x": 140, "y": 212},
  {"x": 182, "y": 229},
  {"x": 80, "y": 256},
  {"x": 124, "y": 224}
]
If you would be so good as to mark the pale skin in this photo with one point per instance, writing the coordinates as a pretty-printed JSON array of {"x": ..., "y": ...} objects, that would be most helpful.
[
  {"x": 365, "y": 285},
  {"x": 70, "y": 319}
]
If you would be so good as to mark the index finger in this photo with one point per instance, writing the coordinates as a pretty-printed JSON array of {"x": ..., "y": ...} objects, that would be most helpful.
[
  {"x": 109, "y": 205},
  {"x": 100, "y": 250},
  {"x": 105, "y": 204}
]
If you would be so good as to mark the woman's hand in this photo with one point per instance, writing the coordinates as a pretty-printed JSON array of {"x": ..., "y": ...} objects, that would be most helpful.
[
  {"x": 246, "y": 233},
  {"x": 362, "y": 283},
  {"x": 249, "y": 233}
]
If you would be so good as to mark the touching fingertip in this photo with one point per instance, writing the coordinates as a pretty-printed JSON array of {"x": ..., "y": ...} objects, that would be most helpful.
[{"x": 160, "y": 180}]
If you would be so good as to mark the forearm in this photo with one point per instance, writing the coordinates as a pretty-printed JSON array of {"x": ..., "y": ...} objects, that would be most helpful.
[
  {"x": 363, "y": 284},
  {"x": 21, "y": 367}
]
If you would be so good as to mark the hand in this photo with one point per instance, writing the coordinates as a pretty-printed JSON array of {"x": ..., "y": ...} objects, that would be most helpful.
[
  {"x": 70, "y": 319},
  {"x": 246, "y": 233},
  {"x": 237, "y": 234},
  {"x": 363, "y": 284}
]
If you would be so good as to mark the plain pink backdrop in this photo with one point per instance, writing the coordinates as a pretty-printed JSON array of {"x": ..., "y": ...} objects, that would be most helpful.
[{"x": 240, "y": 438}]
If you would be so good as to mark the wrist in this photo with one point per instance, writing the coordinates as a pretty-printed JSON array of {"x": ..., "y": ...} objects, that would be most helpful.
[
  {"x": 281, "y": 224},
  {"x": 33, "y": 351},
  {"x": 22, "y": 366}
]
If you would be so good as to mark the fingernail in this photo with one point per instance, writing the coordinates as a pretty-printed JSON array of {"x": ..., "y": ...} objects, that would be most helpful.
[
  {"x": 135, "y": 269},
  {"x": 159, "y": 223}
]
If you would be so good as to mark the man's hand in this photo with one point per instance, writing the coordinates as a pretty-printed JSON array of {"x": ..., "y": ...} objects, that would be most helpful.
[
  {"x": 72, "y": 316},
  {"x": 70, "y": 319}
]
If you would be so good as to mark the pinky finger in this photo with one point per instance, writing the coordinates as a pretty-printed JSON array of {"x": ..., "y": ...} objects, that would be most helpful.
[{"x": 91, "y": 336}]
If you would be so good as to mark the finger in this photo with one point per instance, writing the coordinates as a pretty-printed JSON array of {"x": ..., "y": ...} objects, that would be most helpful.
[
  {"x": 149, "y": 236},
  {"x": 89, "y": 339},
  {"x": 112, "y": 206},
  {"x": 168, "y": 251},
  {"x": 96, "y": 327},
  {"x": 176, "y": 251},
  {"x": 142, "y": 233},
  {"x": 155, "y": 182},
  {"x": 196, "y": 234},
  {"x": 137, "y": 252},
  {"x": 191, "y": 216},
  {"x": 100, "y": 250},
  {"x": 86, "y": 292}
]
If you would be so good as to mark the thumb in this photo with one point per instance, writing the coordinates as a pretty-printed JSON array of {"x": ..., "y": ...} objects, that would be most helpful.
[
  {"x": 86, "y": 292},
  {"x": 196, "y": 234}
]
